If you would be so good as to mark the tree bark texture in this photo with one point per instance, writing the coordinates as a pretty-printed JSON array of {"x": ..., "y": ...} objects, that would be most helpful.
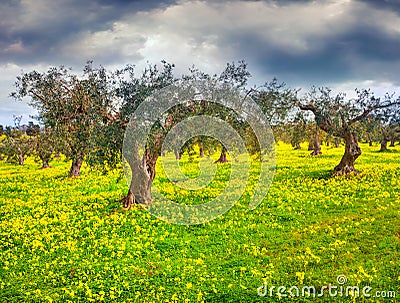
[
  {"x": 21, "y": 159},
  {"x": 75, "y": 170},
  {"x": 177, "y": 154},
  {"x": 143, "y": 173},
  {"x": 201, "y": 152},
  {"x": 316, "y": 147},
  {"x": 384, "y": 143},
  {"x": 222, "y": 158},
  {"x": 296, "y": 145},
  {"x": 45, "y": 163},
  {"x": 351, "y": 153}
]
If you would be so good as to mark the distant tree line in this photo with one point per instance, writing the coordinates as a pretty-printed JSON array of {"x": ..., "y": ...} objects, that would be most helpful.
[
  {"x": 84, "y": 116},
  {"x": 19, "y": 141}
]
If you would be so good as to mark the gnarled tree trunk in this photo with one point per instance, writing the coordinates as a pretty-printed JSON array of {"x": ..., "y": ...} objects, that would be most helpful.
[
  {"x": 143, "y": 172},
  {"x": 201, "y": 152},
  {"x": 45, "y": 163},
  {"x": 75, "y": 170},
  {"x": 384, "y": 143},
  {"x": 351, "y": 153},
  {"x": 316, "y": 147},
  {"x": 296, "y": 145},
  {"x": 392, "y": 142},
  {"x": 177, "y": 154},
  {"x": 45, "y": 158},
  {"x": 21, "y": 159},
  {"x": 21, "y": 156},
  {"x": 222, "y": 158}
]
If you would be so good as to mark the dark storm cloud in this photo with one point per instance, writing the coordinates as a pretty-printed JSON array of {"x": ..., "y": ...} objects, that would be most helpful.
[
  {"x": 372, "y": 43},
  {"x": 36, "y": 32},
  {"x": 138, "y": 4},
  {"x": 40, "y": 32},
  {"x": 391, "y": 5},
  {"x": 325, "y": 62},
  {"x": 339, "y": 58},
  {"x": 362, "y": 50}
]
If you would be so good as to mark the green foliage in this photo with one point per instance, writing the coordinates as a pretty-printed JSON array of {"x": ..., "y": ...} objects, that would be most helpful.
[
  {"x": 337, "y": 114},
  {"x": 46, "y": 145},
  {"x": 73, "y": 106},
  {"x": 16, "y": 146},
  {"x": 276, "y": 101}
]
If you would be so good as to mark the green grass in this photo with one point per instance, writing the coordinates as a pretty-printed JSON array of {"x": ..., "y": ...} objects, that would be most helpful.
[{"x": 67, "y": 239}]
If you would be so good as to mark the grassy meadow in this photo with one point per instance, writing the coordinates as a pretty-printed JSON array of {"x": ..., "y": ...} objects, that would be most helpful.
[{"x": 68, "y": 240}]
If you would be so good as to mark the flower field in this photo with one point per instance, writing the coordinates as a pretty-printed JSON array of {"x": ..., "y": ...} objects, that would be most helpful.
[{"x": 68, "y": 240}]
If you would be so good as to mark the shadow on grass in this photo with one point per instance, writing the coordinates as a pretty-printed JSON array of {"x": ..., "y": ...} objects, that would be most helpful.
[
  {"x": 323, "y": 156},
  {"x": 389, "y": 151},
  {"x": 323, "y": 174},
  {"x": 278, "y": 167}
]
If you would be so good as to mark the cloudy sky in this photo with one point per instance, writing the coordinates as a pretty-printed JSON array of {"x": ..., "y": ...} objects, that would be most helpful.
[{"x": 343, "y": 44}]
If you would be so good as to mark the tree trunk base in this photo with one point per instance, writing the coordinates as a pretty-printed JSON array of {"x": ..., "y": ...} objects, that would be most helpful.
[
  {"x": 221, "y": 161},
  {"x": 315, "y": 145},
  {"x": 316, "y": 153},
  {"x": 177, "y": 154},
  {"x": 352, "y": 152},
  {"x": 346, "y": 170},
  {"x": 384, "y": 143},
  {"x": 129, "y": 200},
  {"x": 222, "y": 158},
  {"x": 201, "y": 152},
  {"x": 45, "y": 165},
  {"x": 75, "y": 170},
  {"x": 296, "y": 146}
]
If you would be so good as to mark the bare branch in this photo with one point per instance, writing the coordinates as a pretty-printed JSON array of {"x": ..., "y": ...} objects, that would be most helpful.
[
  {"x": 309, "y": 107},
  {"x": 369, "y": 110}
]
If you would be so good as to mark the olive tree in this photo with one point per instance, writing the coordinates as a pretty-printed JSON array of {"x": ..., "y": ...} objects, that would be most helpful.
[
  {"x": 339, "y": 116},
  {"x": 133, "y": 90},
  {"x": 73, "y": 106},
  {"x": 388, "y": 125},
  {"x": 17, "y": 146},
  {"x": 46, "y": 145}
]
